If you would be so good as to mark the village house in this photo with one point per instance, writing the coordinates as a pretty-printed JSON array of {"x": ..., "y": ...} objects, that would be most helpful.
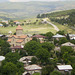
[
  {"x": 18, "y": 40},
  {"x": 26, "y": 60},
  {"x": 58, "y": 36},
  {"x": 5, "y": 21},
  {"x": 40, "y": 37},
  {"x": 32, "y": 69},
  {"x": 64, "y": 69},
  {"x": 16, "y": 22},
  {"x": 69, "y": 44},
  {"x": 72, "y": 36}
]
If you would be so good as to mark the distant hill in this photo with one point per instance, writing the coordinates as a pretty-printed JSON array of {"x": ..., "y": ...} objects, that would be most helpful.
[
  {"x": 66, "y": 17},
  {"x": 21, "y": 10}
]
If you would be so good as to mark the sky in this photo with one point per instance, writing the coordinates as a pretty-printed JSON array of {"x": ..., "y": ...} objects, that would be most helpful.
[{"x": 31, "y": 0}]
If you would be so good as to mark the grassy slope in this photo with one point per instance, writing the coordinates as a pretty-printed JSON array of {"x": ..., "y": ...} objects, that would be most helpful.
[
  {"x": 62, "y": 14},
  {"x": 37, "y": 28},
  {"x": 65, "y": 28},
  {"x": 31, "y": 29}
]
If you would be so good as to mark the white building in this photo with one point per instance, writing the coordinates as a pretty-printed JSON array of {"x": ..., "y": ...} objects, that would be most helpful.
[{"x": 64, "y": 68}]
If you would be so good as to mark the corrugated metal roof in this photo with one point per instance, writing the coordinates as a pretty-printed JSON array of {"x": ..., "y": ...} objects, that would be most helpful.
[{"x": 64, "y": 67}]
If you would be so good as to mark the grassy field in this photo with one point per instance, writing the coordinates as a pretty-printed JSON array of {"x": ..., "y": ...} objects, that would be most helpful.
[
  {"x": 65, "y": 28},
  {"x": 31, "y": 28},
  {"x": 36, "y": 28}
]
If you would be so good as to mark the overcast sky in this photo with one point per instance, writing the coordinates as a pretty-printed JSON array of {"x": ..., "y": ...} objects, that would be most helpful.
[
  {"x": 31, "y": 0},
  {"x": 36, "y": 0}
]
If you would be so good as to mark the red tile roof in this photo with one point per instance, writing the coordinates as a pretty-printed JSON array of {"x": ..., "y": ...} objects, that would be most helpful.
[
  {"x": 19, "y": 28},
  {"x": 19, "y": 41},
  {"x": 9, "y": 40},
  {"x": 22, "y": 36},
  {"x": 39, "y": 36}
]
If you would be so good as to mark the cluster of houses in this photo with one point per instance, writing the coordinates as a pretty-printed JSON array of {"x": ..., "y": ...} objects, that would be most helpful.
[
  {"x": 7, "y": 22},
  {"x": 20, "y": 39}
]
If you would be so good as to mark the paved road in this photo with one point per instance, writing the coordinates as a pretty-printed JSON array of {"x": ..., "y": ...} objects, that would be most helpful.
[{"x": 55, "y": 27}]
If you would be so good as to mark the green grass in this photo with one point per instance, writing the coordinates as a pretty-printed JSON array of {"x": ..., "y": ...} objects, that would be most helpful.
[
  {"x": 65, "y": 28},
  {"x": 31, "y": 28},
  {"x": 36, "y": 74}
]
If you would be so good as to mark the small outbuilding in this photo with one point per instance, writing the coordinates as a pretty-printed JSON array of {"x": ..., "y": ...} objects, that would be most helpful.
[{"x": 64, "y": 69}]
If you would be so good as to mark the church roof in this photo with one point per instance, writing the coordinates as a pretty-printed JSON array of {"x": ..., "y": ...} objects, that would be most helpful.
[
  {"x": 9, "y": 40},
  {"x": 19, "y": 41},
  {"x": 19, "y": 28},
  {"x": 21, "y": 37}
]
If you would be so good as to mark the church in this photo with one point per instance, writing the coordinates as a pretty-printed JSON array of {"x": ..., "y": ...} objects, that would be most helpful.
[{"x": 18, "y": 40}]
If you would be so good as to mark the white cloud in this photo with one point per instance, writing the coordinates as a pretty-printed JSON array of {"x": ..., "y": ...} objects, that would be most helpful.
[{"x": 30, "y": 0}]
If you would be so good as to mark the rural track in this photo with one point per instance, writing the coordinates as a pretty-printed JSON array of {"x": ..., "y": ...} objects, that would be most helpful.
[{"x": 55, "y": 27}]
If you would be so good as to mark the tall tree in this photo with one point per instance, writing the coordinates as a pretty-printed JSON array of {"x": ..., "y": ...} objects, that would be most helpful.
[{"x": 31, "y": 47}]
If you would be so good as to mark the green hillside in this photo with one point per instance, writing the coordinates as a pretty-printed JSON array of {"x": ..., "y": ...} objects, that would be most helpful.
[
  {"x": 64, "y": 20},
  {"x": 22, "y": 10}
]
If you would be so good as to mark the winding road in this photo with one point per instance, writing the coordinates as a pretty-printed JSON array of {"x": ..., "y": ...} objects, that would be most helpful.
[{"x": 55, "y": 27}]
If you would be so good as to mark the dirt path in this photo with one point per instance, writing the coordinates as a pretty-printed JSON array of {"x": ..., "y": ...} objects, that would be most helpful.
[{"x": 55, "y": 27}]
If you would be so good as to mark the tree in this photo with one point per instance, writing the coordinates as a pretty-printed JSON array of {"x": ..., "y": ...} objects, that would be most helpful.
[
  {"x": 12, "y": 57},
  {"x": 72, "y": 41},
  {"x": 61, "y": 32},
  {"x": 66, "y": 58},
  {"x": 68, "y": 38},
  {"x": 47, "y": 69},
  {"x": 73, "y": 72},
  {"x": 66, "y": 49},
  {"x": 35, "y": 39},
  {"x": 49, "y": 35},
  {"x": 9, "y": 69},
  {"x": 34, "y": 60},
  {"x": 20, "y": 68},
  {"x": 4, "y": 47},
  {"x": 31, "y": 47},
  {"x": 42, "y": 55},
  {"x": 48, "y": 46},
  {"x": 62, "y": 40},
  {"x": 55, "y": 73},
  {"x": 38, "y": 16}
]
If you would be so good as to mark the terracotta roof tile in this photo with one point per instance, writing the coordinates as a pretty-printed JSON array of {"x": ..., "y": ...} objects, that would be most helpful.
[
  {"x": 9, "y": 40},
  {"x": 23, "y": 36},
  {"x": 19, "y": 41},
  {"x": 19, "y": 28}
]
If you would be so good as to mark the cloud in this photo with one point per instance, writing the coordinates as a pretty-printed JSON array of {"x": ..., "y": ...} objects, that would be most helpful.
[{"x": 30, "y": 0}]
